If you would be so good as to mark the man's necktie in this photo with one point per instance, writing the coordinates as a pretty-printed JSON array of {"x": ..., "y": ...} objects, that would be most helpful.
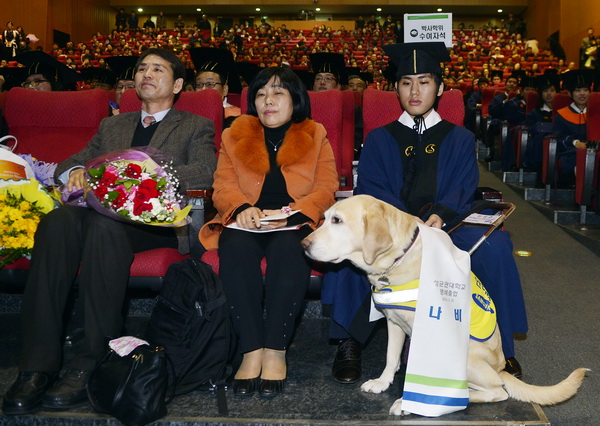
[{"x": 149, "y": 120}]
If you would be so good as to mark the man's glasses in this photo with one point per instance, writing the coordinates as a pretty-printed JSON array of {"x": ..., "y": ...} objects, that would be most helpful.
[
  {"x": 326, "y": 79},
  {"x": 209, "y": 85},
  {"x": 125, "y": 87},
  {"x": 33, "y": 83}
]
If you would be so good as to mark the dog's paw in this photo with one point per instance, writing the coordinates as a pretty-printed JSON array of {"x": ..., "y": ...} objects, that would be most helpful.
[
  {"x": 396, "y": 409},
  {"x": 375, "y": 386}
]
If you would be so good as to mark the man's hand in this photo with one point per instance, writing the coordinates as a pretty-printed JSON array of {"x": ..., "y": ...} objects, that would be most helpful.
[
  {"x": 77, "y": 180},
  {"x": 580, "y": 145},
  {"x": 435, "y": 221}
]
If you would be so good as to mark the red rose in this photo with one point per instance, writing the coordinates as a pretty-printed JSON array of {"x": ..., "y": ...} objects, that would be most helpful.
[
  {"x": 108, "y": 178},
  {"x": 139, "y": 208},
  {"x": 120, "y": 200},
  {"x": 101, "y": 191},
  {"x": 133, "y": 171},
  {"x": 146, "y": 190}
]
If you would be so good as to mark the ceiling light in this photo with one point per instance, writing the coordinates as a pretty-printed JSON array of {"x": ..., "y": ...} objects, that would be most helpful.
[
  {"x": 318, "y": 9},
  {"x": 378, "y": 9},
  {"x": 140, "y": 9},
  {"x": 499, "y": 10},
  {"x": 439, "y": 9},
  {"x": 199, "y": 9},
  {"x": 258, "y": 9}
]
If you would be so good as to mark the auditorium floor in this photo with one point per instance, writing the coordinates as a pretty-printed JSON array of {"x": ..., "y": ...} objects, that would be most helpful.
[{"x": 311, "y": 396}]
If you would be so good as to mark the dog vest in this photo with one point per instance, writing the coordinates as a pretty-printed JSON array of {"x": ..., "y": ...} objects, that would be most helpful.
[{"x": 404, "y": 296}]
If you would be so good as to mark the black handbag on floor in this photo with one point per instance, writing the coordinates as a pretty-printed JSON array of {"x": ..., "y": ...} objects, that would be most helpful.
[{"x": 131, "y": 388}]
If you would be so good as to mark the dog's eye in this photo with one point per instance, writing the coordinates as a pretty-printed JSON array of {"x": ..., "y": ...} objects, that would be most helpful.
[{"x": 336, "y": 219}]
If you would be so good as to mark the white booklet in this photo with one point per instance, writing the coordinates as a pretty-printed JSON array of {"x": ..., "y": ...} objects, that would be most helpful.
[
  {"x": 482, "y": 219},
  {"x": 265, "y": 221}
]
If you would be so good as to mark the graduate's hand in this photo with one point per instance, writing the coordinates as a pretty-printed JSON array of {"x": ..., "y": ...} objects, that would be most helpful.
[
  {"x": 580, "y": 145},
  {"x": 249, "y": 218},
  {"x": 77, "y": 180},
  {"x": 435, "y": 221}
]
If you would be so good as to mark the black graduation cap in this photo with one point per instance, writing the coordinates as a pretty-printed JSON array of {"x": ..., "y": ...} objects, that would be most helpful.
[
  {"x": 417, "y": 58},
  {"x": 354, "y": 72},
  {"x": 247, "y": 70},
  {"x": 496, "y": 73},
  {"x": 122, "y": 66},
  {"x": 100, "y": 75},
  {"x": 39, "y": 62},
  {"x": 547, "y": 80},
  {"x": 13, "y": 76},
  {"x": 518, "y": 74},
  {"x": 528, "y": 81},
  {"x": 390, "y": 72},
  {"x": 576, "y": 79},
  {"x": 307, "y": 78},
  {"x": 330, "y": 63},
  {"x": 219, "y": 61}
]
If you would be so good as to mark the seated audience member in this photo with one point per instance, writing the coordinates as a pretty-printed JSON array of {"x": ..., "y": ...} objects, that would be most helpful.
[
  {"x": 539, "y": 120},
  {"x": 275, "y": 157},
  {"x": 427, "y": 167},
  {"x": 358, "y": 82},
  {"x": 474, "y": 104},
  {"x": 329, "y": 70},
  {"x": 72, "y": 241},
  {"x": 570, "y": 123},
  {"x": 515, "y": 114},
  {"x": 496, "y": 110},
  {"x": 215, "y": 69},
  {"x": 124, "y": 69}
]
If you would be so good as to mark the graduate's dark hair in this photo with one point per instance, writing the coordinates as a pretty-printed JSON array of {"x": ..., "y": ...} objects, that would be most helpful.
[{"x": 289, "y": 81}]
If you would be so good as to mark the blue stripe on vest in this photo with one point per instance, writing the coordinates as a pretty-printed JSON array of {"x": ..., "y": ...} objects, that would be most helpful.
[{"x": 435, "y": 400}]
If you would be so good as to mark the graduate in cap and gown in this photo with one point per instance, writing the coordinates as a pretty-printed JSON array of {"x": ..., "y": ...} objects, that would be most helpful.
[
  {"x": 570, "y": 122},
  {"x": 539, "y": 120},
  {"x": 358, "y": 82},
  {"x": 215, "y": 69},
  {"x": 515, "y": 111},
  {"x": 427, "y": 167},
  {"x": 124, "y": 68},
  {"x": 45, "y": 73},
  {"x": 329, "y": 70}
]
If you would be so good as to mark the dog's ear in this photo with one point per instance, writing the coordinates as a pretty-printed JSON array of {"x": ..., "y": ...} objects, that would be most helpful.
[{"x": 377, "y": 238}]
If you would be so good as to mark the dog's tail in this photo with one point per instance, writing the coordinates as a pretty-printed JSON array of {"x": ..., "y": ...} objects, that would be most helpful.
[{"x": 543, "y": 395}]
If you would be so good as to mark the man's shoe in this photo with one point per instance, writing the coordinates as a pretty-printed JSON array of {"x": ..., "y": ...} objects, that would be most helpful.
[
  {"x": 513, "y": 367},
  {"x": 346, "y": 365},
  {"x": 69, "y": 391},
  {"x": 26, "y": 393},
  {"x": 74, "y": 336}
]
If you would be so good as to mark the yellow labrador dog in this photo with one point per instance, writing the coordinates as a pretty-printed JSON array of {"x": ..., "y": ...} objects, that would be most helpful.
[{"x": 374, "y": 235}]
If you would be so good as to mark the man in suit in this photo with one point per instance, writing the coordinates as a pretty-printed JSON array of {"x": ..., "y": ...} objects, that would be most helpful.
[{"x": 76, "y": 239}]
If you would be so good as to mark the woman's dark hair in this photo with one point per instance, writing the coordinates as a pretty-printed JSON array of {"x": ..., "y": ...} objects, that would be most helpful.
[
  {"x": 289, "y": 81},
  {"x": 176, "y": 64}
]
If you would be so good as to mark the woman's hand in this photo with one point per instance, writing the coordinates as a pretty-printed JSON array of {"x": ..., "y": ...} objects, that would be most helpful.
[
  {"x": 249, "y": 218},
  {"x": 77, "y": 180},
  {"x": 435, "y": 221},
  {"x": 274, "y": 224}
]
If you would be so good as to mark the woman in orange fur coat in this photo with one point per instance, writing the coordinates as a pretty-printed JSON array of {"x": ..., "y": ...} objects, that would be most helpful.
[{"x": 272, "y": 161}]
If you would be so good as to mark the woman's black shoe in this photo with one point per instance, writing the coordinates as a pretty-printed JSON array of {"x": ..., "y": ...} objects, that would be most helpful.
[
  {"x": 245, "y": 387},
  {"x": 270, "y": 388}
]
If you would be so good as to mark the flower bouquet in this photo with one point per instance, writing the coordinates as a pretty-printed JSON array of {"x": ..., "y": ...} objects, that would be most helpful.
[
  {"x": 21, "y": 208},
  {"x": 136, "y": 185}
]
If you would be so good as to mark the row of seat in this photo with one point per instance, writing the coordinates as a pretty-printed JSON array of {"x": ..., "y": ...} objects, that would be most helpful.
[
  {"x": 53, "y": 125},
  {"x": 588, "y": 160}
]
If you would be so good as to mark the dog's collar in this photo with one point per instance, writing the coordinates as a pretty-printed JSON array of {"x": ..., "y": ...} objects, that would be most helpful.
[{"x": 397, "y": 260}]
